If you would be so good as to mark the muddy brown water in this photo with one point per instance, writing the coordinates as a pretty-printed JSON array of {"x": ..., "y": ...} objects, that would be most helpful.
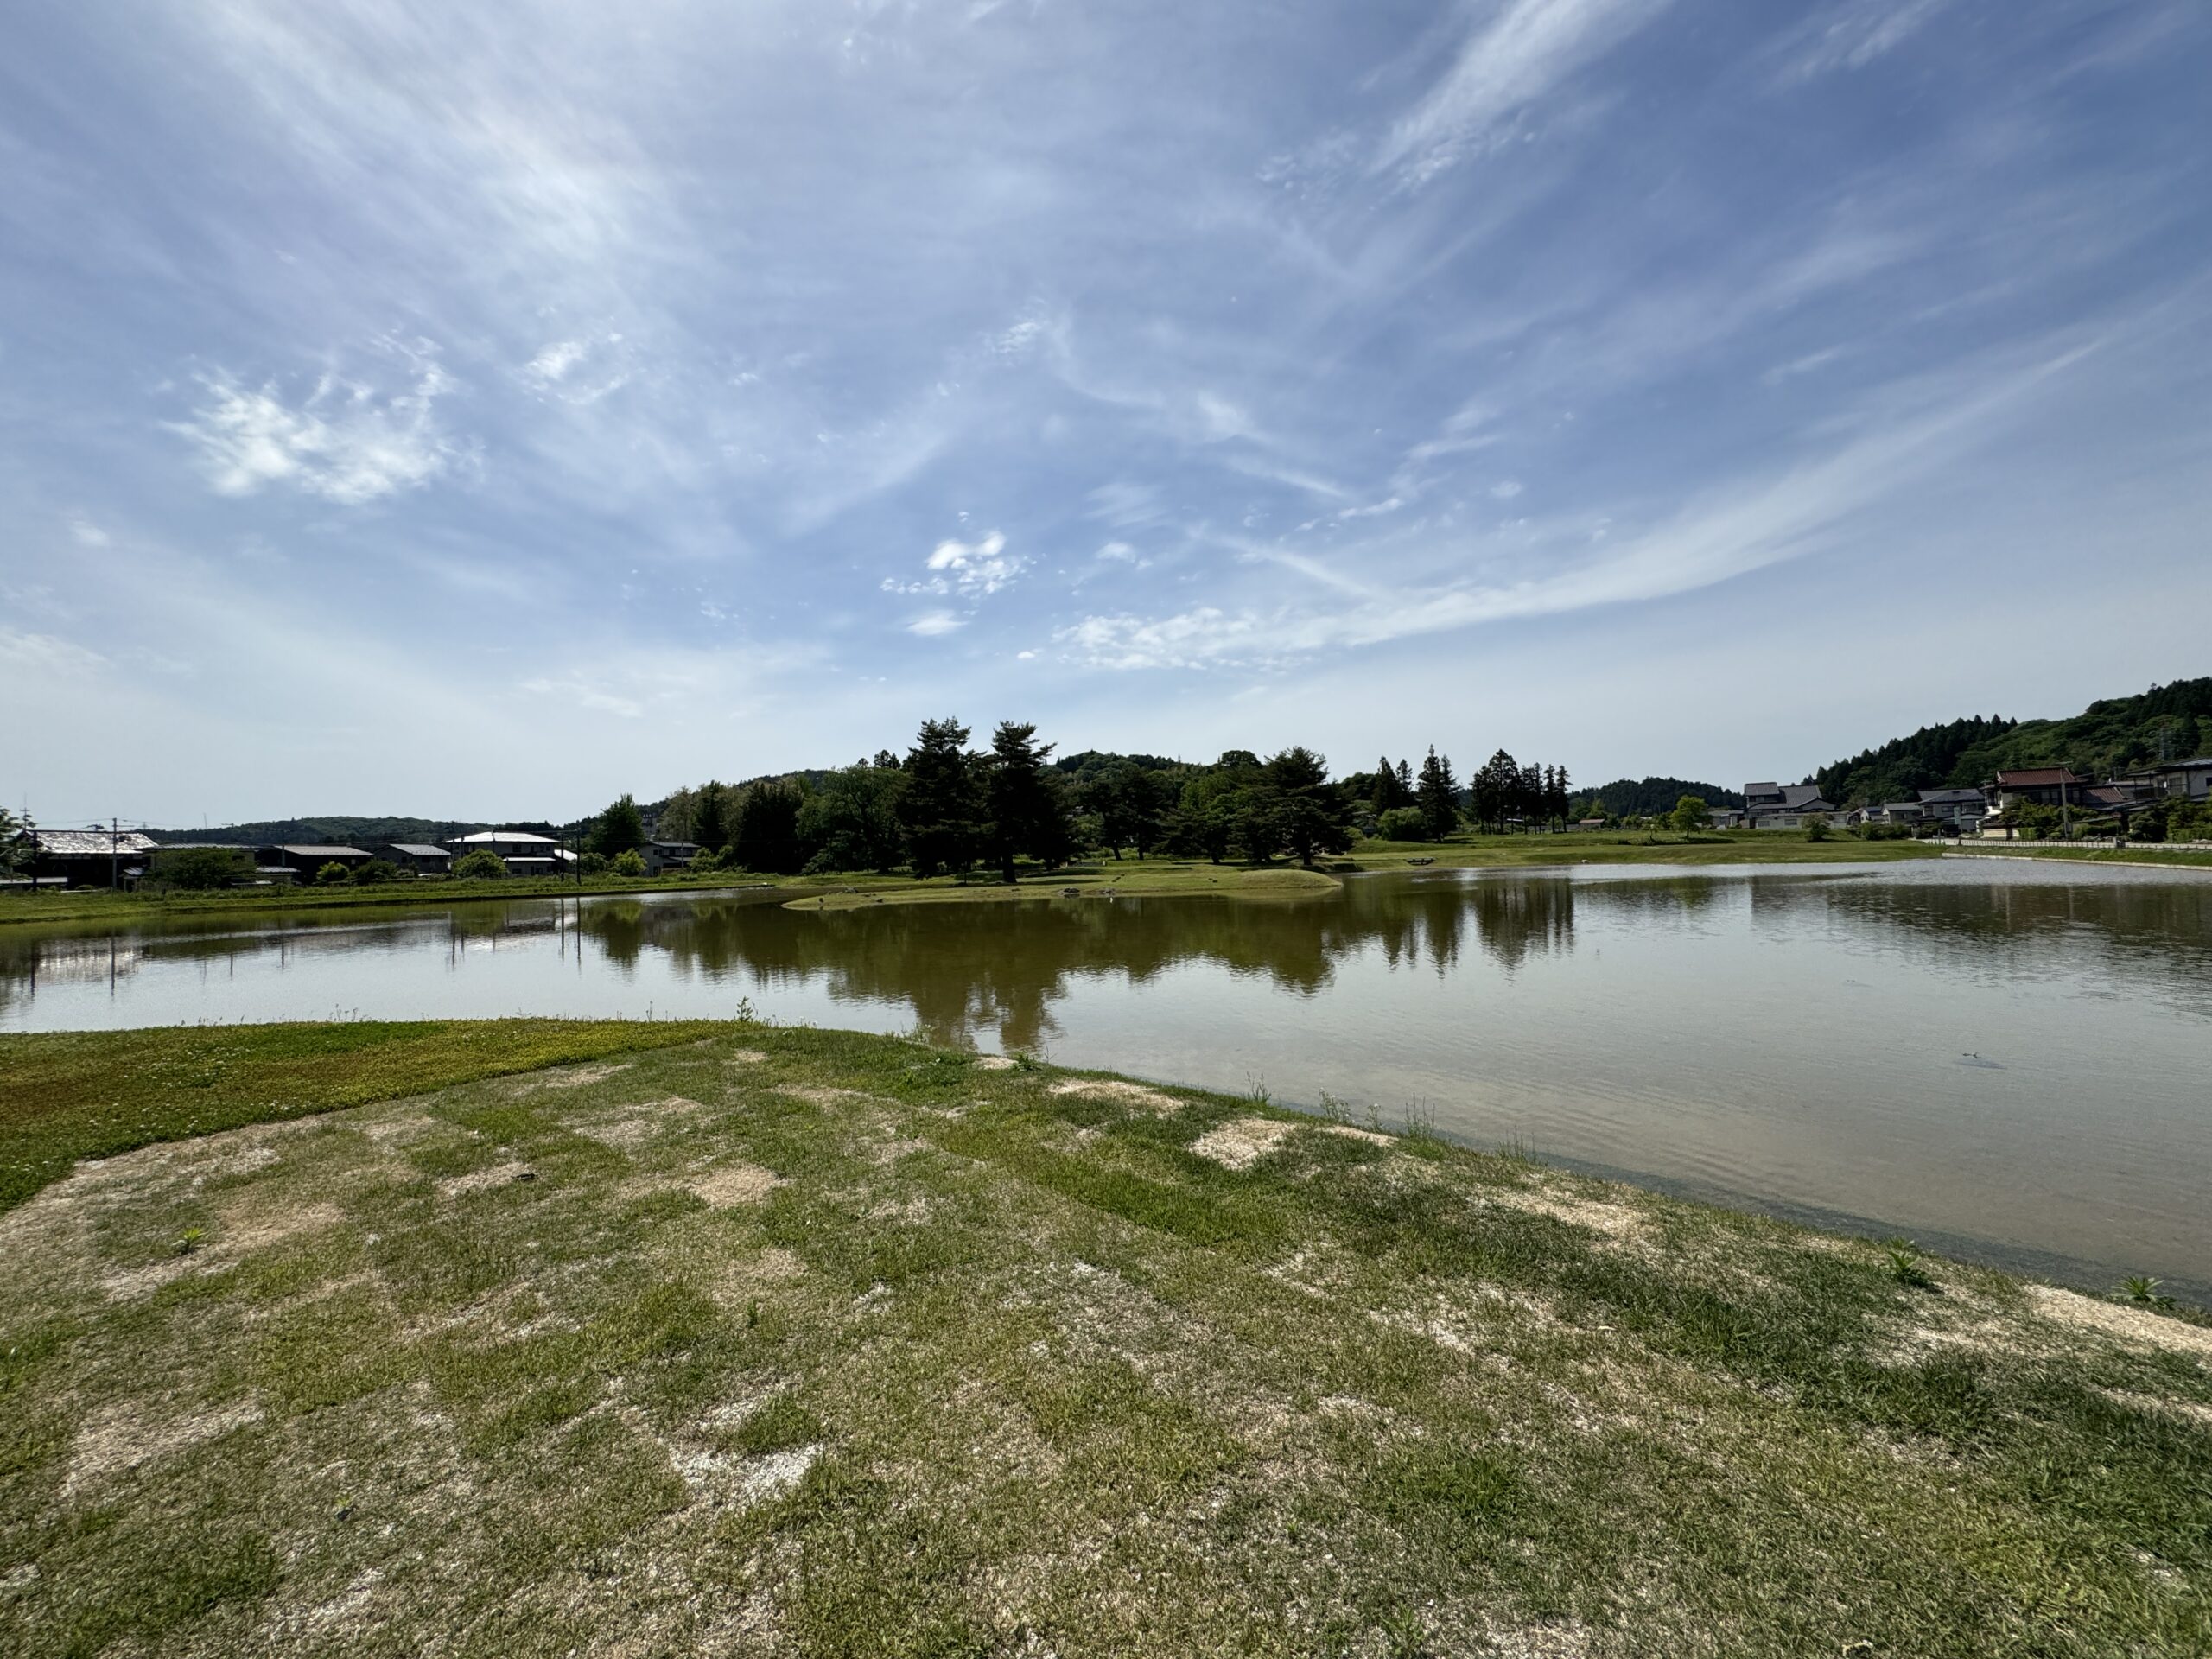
[{"x": 2011, "y": 1062}]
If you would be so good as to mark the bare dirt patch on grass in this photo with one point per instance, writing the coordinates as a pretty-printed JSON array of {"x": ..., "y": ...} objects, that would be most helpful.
[
  {"x": 1614, "y": 1221},
  {"x": 118, "y": 1439},
  {"x": 1242, "y": 1141},
  {"x": 2070, "y": 1307},
  {"x": 244, "y": 1226},
  {"x": 1470, "y": 1319},
  {"x": 734, "y": 1184},
  {"x": 2192, "y": 1411},
  {"x": 627, "y": 1128},
  {"x": 1372, "y": 1137},
  {"x": 994, "y": 1062},
  {"x": 1566, "y": 1641},
  {"x": 569, "y": 1077},
  {"x": 396, "y": 1133},
  {"x": 819, "y": 1097},
  {"x": 728, "y": 1481},
  {"x": 1117, "y": 1093},
  {"x": 482, "y": 1180}
]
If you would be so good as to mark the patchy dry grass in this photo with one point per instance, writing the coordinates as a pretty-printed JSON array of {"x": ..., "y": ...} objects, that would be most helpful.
[
  {"x": 69, "y": 1095},
  {"x": 859, "y": 1347}
]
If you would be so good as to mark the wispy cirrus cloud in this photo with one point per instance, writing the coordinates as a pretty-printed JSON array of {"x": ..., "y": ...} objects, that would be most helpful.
[
  {"x": 1854, "y": 36},
  {"x": 49, "y": 654},
  {"x": 1513, "y": 57},
  {"x": 1752, "y": 523},
  {"x": 1246, "y": 351}
]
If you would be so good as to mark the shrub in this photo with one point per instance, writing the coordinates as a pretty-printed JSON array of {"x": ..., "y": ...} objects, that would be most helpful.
[
  {"x": 200, "y": 869},
  {"x": 332, "y": 874},
  {"x": 629, "y": 862},
  {"x": 376, "y": 871},
  {"x": 1403, "y": 823},
  {"x": 1817, "y": 826},
  {"x": 479, "y": 863},
  {"x": 592, "y": 864}
]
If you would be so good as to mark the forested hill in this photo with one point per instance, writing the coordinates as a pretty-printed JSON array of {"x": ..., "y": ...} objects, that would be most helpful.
[
  {"x": 1648, "y": 797},
  {"x": 368, "y": 834},
  {"x": 2108, "y": 736}
]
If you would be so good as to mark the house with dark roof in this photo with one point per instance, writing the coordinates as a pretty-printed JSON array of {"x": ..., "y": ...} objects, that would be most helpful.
[
  {"x": 664, "y": 855},
  {"x": 88, "y": 858},
  {"x": 1783, "y": 806},
  {"x": 2186, "y": 779},
  {"x": 2037, "y": 786},
  {"x": 417, "y": 856},
  {"x": 308, "y": 860},
  {"x": 1966, "y": 808}
]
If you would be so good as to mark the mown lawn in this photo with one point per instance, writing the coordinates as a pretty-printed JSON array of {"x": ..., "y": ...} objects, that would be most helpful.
[
  {"x": 789, "y": 1341},
  {"x": 70, "y": 1095}
]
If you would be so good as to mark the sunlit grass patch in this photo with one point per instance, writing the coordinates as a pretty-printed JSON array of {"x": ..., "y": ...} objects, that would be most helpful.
[{"x": 966, "y": 1359}]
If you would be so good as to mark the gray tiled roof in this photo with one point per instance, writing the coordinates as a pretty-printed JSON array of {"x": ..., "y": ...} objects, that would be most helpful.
[{"x": 95, "y": 841}]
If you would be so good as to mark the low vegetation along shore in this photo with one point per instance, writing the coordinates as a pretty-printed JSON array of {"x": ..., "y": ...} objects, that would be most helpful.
[
  {"x": 1128, "y": 874},
  {"x": 640, "y": 1339}
]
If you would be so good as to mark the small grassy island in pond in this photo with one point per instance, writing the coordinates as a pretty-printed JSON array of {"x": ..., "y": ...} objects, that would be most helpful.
[{"x": 739, "y": 1339}]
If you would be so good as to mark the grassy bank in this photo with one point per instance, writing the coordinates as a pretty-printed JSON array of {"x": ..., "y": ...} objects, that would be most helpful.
[
  {"x": 806, "y": 1342},
  {"x": 1154, "y": 875},
  {"x": 65, "y": 1096},
  {"x": 2146, "y": 857},
  {"x": 1160, "y": 877},
  {"x": 131, "y": 909}
]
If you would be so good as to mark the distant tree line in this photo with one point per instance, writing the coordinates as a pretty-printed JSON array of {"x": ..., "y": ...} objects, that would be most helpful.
[
  {"x": 945, "y": 807},
  {"x": 1650, "y": 797}
]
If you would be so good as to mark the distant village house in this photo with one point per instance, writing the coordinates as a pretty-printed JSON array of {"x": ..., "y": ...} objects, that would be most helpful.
[{"x": 1783, "y": 806}]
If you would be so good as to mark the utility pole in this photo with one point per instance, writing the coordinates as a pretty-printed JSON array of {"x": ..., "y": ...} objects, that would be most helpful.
[{"x": 114, "y": 863}]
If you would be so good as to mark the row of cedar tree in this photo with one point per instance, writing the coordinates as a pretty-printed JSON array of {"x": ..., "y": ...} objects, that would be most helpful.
[{"x": 940, "y": 809}]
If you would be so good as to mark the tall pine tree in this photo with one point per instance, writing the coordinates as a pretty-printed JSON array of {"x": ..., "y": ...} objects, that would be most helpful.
[
  {"x": 941, "y": 809},
  {"x": 710, "y": 818},
  {"x": 1495, "y": 787},
  {"x": 1437, "y": 796},
  {"x": 1028, "y": 810}
]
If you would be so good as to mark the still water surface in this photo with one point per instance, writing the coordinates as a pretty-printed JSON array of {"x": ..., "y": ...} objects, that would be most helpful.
[{"x": 2011, "y": 1061}]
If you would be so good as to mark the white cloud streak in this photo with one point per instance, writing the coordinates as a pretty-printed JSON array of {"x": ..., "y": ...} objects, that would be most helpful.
[
  {"x": 1861, "y": 34},
  {"x": 1518, "y": 55},
  {"x": 1757, "y": 523},
  {"x": 343, "y": 441}
]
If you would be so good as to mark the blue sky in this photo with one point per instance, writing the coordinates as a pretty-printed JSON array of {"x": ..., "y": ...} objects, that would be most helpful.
[{"x": 481, "y": 411}]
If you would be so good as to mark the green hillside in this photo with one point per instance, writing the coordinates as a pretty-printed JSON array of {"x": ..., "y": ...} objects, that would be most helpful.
[
  {"x": 2169, "y": 721},
  {"x": 1646, "y": 797}
]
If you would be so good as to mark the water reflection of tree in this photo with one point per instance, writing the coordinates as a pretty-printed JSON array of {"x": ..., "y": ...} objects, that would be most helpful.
[{"x": 1001, "y": 967}]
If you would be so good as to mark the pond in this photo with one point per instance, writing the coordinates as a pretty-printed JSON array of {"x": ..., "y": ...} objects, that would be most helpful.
[{"x": 2005, "y": 1060}]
